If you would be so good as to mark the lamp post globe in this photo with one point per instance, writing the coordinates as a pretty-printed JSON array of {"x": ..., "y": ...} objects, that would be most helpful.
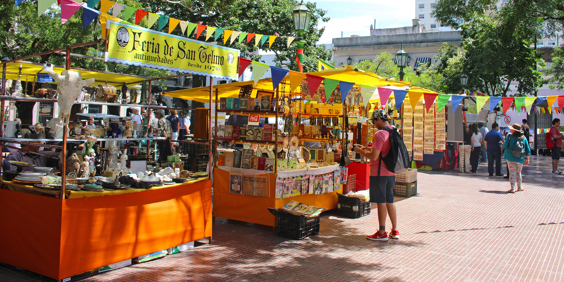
[
  {"x": 349, "y": 61},
  {"x": 302, "y": 18},
  {"x": 464, "y": 80},
  {"x": 401, "y": 59}
]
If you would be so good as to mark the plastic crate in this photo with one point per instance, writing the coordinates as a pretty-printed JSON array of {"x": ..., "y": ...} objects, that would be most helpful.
[
  {"x": 405, "y": 189},
  {"x": 407, "y": 177},
  {"x": 296, "y": 227},
  {"x": 352, "y": 207}
]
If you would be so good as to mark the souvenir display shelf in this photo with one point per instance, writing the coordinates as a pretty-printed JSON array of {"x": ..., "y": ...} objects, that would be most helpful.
[{"x": 255, "y": 208}]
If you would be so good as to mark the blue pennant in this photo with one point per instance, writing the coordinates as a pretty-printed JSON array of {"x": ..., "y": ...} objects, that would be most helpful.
[
  {"x": 493, "y": 103},
  {"x": 399, "y": 96},
  {"x": 278, "y": 75},
  {"x": 88, "y": 15},
  {"x": 345, "y": 89},
  {"x": 455, "y": 100},
  {"x": 18, "y": 2}
]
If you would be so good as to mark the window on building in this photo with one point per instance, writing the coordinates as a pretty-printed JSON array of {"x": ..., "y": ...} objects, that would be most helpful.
[
  {"x": 540, "y": 44},
  {"x": 433, "y": 25},
  {"x": 433, "y": 5},
  {"x": 421, "y": 16},
  {"x": 421, "y": 6},
  {"x": 551, "y": 43}
]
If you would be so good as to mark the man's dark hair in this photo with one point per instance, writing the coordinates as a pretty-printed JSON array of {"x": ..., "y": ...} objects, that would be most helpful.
[
  {"x": 495, "y": 125},
  {"x": 480, "y": 124},
  {"x": 524, "y": 121},
  {"x": 556, "y": 120}
]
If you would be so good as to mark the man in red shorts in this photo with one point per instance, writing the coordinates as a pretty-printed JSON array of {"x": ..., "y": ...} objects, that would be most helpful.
[{"x": 381, "y": 179}]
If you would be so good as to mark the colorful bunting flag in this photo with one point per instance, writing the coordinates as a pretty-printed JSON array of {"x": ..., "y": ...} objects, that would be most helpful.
[
  {"x": 259, "y": 69},
  {"x": 242, "y": 36},
  {"x": 91, "y": 3},
  {"x": 493, "y": 103},
  {"x": 271, "y": 40},
  {"x": 218, "y": 33},
  {"x": 263, "y": 39},
  {"x": 560, "y": 101},
  {"x": 296, "y": 79},
  {"x": 384, "y": 94},
  {"x": 243, "y": 64},
  {"x": 163, "y": 21},
  {"x": 128, "y": 12},
  {"x": 313, "y": 83},
  {"x": 257, "y": 39},
  {"x": 209, "y": 31},
  {"x": 172, "y": 24},
  {"x": 18, "y": 2},
  {"x": 345, "y": 89},
  {"x": 117, "y": 9},
  {"x": 152, "y": 19},
  {"x": 330, "y": 86},
  {"x": 443, "y": 101},
  {"x": 455, "y": 101},
  {"x": 278, "y": 74},
  {"x": 290, "y": 39},
  {"x": 519, "y": 103},
  {"x": 506, "y": 103},
  {"x": 191, "y": 27},
  {"x": 68, "y": 9},
  {"x": 551, "y": 100},
  {"x": 414, "y": 98},
  {"x": 88, "y": 15},
  {"x": 139, "y": 15},
  {"x": 429, "y": 99},
  {"x": 250, "y": 37},
  {"x": 322, "y": 65},
  {"x": 199, "y": 30},
  {"x": 540, "y": 101},
  {"x": 480, "y": 102},
  {"x": 399, "y": 97},
  {"x": 234, "y": 36},
  {"x": 529, "y": 101},
  {"x": 226, "y": 36},
  {"x": 106, "y": 5},
  {"x": 43, "y": 5},
  {"x": 367, "y": 91}
]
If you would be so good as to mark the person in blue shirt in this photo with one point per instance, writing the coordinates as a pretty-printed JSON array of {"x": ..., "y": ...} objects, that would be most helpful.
[
  {"x": 493, "y": 141},
  {"x": 515, "y": 163}
]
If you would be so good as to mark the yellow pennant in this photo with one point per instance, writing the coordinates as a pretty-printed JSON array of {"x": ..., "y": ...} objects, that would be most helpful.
[
  {"x": 209, "y": 32},
  {"x": 226, "y": 35},
  {"x": 551, "y": 100},
  {"x": 290, "y": 39},
  {"x": 172, "y": 23},
  {"x": 106, "y": 5},
  {"x": 153, "y": 18},
  {"x": 257, "y": 39},
  {"x": 271, "y": 40}
]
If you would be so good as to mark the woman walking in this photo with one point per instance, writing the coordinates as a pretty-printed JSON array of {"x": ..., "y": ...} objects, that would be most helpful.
[
  {"x": 476, "y": 147},
  {"x": 516, "y": 151}
]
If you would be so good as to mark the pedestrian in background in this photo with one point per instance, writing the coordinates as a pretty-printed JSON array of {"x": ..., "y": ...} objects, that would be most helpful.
[
  {"x": 476, "y": 142},
  {"x": 526, "y": 131},
  {"x": 484, "y": 132},
  {"x": 464, "y": 150},
  {"x": 556, "y": 151},
  {"x": 174, "y": 123},
  {"x": 515, "y": 161},
  {"x": 492, "y": 142}
]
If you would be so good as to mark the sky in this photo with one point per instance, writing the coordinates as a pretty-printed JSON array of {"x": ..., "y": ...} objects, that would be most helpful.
[{"x": 354, "y": 17}]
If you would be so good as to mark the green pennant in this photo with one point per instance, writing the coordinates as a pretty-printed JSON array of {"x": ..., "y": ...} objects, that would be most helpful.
[
  {"x": 519, "y": 101},
  {"x": 218, "y": 33},
  {"x": 242, "y": 36},
  {"x": 263, "y": 39},
  {"x": 128, "y": 12},
  {"x": 190, "y": 29},
  {"x": 259, "y": 69},
  {"x": 330, "y": 85},
  {"x": 92, "y": 3},
  {"x": 163, "y": 21},
  {"x": 442, "y": 101}
]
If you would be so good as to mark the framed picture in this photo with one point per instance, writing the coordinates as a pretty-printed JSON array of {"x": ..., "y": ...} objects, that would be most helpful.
[{"x": 265, "y": 99}]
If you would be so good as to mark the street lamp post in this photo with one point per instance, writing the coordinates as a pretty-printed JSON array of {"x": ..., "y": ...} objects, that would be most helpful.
[
  {"x": 349, "y": 61},
  {"x": 401, "y": 60},
  {"x": 301, "y": 23}
]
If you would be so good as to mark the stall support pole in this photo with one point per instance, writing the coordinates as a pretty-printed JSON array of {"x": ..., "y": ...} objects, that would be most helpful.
[
  {"x": 210, "y": 164},
  {"x": 276, "y": 131},
  {"x": 216, "y": 107},
  {"x": 2, "y": 104}
]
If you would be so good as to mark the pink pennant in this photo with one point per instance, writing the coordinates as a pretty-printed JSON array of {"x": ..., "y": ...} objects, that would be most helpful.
[
  {"x": 429, "y": 99},
  {"x": 68, "y": 9},
  {"x": 384, "y": 95},
  {"x": 313, "y": 83}
]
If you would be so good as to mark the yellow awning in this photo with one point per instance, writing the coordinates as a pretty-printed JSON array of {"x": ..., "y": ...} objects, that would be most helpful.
[
  {"x": 348, "y": 74},
  {"x": 31, "y": 69}
]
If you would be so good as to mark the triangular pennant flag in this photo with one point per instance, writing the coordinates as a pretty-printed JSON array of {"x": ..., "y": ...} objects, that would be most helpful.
[
  {"x": 551, "y": 100},
  {"x": 104, "y": 19},
  {"x": 117, "y": 9},
  {"x": 139, "y": 15},
  {"x": 191, "y": 27},
  {"x": 91, "y": 3},
  {"x": 18, "y": 2},
  {"x": 241, "y": 37},
  {"x": 313, "y": 83},
  {"x": 539, "y": 101},
  {"x": 259, "y": 69},
  {"x": 257, "y": 39},
  {"x": 367, "y": 92},
  {"x": 172, "y": 24},
  {"x": 399, "y": 97},
  {"x": 442, "y": 101},
  {"x": 290, "y": 39},
  {"x": 234, "y": 36},
  {"x": 519, "y": 103},
  {"x": 153, "y": 18},
  {"x": 199, "y": 30},
  {"x": 278, "y": 75},
  {"x": 106, "y": 5},
  {"x": 128, "y": 12},
  {"x": 271, "y": 41},
  {"x": 560, "y": 101},
  {"x": 68, "y": 9},
  {"x": 384, "y": 94},
  {"x": 529, "y": 101},
  {"x": 209, "y": 32},
  {"x": 226, "y": 36},
  {"x": 480, "y": 102},
  {"x": 345, "y": 89},
  {"x": 506, "y": 103},
  {"x": 429, "y": 99},
  {"x": 250, "y": 37},
  {"x": 243, "y": 64},
  {"x": 183, "y": 26},
  {"x": 263, "y": 39},
  {"x": 414, "y": 98},
  {"x": 88, "y": 15},
  {"x": 330, "y": 85},
  {"x": 296, "y": 79},
  {"x": 455, "y": 101},
  {"x": 163, "y": 21},
  {"x": 493, "y": 103},
  {"x": 43, "y": 5},
  {"x": 218, "y": 33}
]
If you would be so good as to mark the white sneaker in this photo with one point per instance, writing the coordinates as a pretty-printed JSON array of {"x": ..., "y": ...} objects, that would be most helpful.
[{"x": 557, "y": 172}]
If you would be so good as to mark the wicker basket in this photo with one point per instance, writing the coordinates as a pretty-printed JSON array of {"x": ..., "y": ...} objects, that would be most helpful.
[{"x": 409, "y": 176}]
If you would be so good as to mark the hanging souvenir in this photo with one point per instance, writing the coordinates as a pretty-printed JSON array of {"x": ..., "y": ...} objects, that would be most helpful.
[
  {"x": 294, "y": 142},
  {"x": 285, "y": 144}
]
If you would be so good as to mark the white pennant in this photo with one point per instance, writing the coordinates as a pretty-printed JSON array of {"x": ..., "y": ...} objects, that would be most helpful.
[
  {"x": 183, "y": 26},
  {"x": 290, "y": 39},
  {"x": 234, "y": 35},
  {"x": 116, "y": 9}
]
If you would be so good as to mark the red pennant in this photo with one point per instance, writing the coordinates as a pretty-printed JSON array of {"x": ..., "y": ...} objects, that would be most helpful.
[
  {"x": 139, "y": 15},
  {"x": 199, "y": 30},
  {"x": 507, "y": 102},
  {"x": 429, "y": 99},
  {"x": 243, "y": 64},
  {"x": 313, "y": 83},
  {"x": 299, "y": 64},
  {"x": 561, "y": 101},
  {"x": 250, "y": 37}
]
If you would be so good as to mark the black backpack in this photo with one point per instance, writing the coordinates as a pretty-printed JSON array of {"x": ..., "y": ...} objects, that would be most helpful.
[{"x": 397, "y": 160}]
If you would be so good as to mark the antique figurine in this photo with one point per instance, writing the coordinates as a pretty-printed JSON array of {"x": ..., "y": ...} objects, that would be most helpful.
[{"x": 69, "y": 87}]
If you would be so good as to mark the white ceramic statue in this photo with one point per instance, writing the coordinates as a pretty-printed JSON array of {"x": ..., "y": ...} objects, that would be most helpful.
[
  {"x": 86, "y": 167},
  {"x": 112, "y": 163},
  {"x": 123, "y": 163},
  {"x": 70, "y": 85},
  {"x": 8, "y": 85}
]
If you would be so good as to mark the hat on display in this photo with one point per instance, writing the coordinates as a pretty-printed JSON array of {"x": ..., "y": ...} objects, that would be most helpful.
[
  {"x": 380, "y": 114},
  {"x": 516, "y": 127}
]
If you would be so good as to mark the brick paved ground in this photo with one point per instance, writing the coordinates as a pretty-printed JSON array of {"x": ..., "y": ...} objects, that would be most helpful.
[{"x": 458, "y": 228}]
